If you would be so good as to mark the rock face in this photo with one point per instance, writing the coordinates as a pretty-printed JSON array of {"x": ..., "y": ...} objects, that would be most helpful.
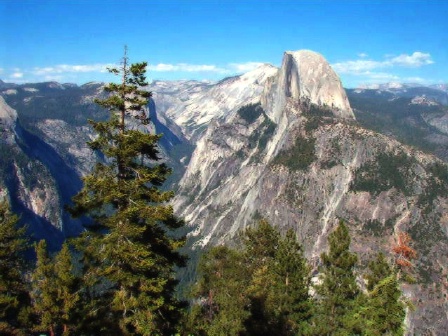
[
  {"x": 8, "y": 117},
  {"x": 306, "y": 76},
  {"x": 44, "y": 152},
  {"x": 200, "y": 103},
  {"x": 298, "y": 158}
]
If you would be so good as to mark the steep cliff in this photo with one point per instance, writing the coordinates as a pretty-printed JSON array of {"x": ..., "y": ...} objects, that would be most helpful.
[{"x": 298, "y": 158}]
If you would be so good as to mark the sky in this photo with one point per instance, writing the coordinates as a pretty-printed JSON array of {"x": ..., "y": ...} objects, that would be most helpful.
[{"x": 365, "y": 41}]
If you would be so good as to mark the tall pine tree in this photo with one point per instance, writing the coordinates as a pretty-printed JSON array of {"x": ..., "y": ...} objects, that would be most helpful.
[
  {"x": 44, "y": 291},
  {"x": 338, "y": 293},
  {"x": 382, "y": 311},
  {"x": 129, "y": 249},
  {"x": 221, "y": 308},
  {"x": 14, "y": 298}
]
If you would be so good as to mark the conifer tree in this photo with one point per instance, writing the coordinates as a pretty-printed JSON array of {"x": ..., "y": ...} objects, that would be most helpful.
[
  {"x": 44, "y": 291},
  {"x": 222, "y": 289},
  {"x": 260, "y": 248},
  {"x": 55, "y": 292},
  {"x": 14, "y": 297},
  {"x": 66, "y": 291},
  {"x": 279, "y": 283},
  {"x": 129, "y": 249},
  {"x": 383, "y": 311},
  {"x": 338, "y": 293},
  {"x": 289, "y": 295},
  {"x": 379, "y": 269},
  {"x": 260, "y": 289}
]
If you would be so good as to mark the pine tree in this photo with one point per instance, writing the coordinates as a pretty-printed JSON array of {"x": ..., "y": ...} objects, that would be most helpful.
[
  {"x": 55, "y": 291},
  {"x": 260, "y": 289},
  {"x": 129, "y": 249},
  {"x": 338, "y": 293},
  {"x": 14, "y": 297},
  {"x": 382, "y": 311},
  {"x": 279, "y": 284},
  {"x": 379, "y": 269},
  {"x": 66, "y": 291},
  {"x": 221, "y": 294},
  {"x": 44, "y": 291},
  {"x": 289, "y": 295},
  {"x": 260, "y": 248}
]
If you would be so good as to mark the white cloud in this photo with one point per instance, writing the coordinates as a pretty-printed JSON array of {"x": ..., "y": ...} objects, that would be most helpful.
[
  {"x": 16, "y": 75},
  {"x": 244, "y": 67},
  {"x": 53, "y": 78},
  {"x": 417, "y": 59},
  {"x": 362, "y": 55},
  {"x": 65, "y": 68},
  {"x": 184, "y": 67},
  {"x": 381, "y": 76},
  {"x": 70, "y": 72},
  {"x": 358, "y": 67},
  {"x": 416, "y": 80}
]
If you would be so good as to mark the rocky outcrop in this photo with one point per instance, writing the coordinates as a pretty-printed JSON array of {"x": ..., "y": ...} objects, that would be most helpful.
[
  {"x": 204, "y": 102},
  {"x": 306, "y": 76},
  {"x": 300, "y": 160},
  {"x": 8, "y": 117}
]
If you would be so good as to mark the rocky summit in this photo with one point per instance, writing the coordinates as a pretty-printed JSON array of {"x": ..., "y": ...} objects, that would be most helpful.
[
  {"x": 297, "y": 157},
  {"x": 283, "y": 144}
]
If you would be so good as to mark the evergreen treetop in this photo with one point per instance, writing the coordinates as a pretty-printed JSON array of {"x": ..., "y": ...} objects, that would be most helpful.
[
  {"x": 14, "y": 298},
  {"x": 129, "y": 249}
]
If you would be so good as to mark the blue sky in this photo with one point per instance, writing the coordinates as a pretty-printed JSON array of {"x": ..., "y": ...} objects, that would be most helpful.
[{"x": 364, "y": 41}]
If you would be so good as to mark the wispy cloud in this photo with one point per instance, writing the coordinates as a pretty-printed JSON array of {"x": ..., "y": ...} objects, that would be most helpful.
[
  {"x": 244, "y": 67},
  {"x": 16, "y": 75},
  {"x": 185, "y": 67},
  {"x": 385, "y": 70},
  {"x": 64, "y": 72},
  {"x": 360, "y": 66},
  {"x": 66, "y": 68},
  {"x": 417, "y": 59},
  {"x": 161, "y": 67}
]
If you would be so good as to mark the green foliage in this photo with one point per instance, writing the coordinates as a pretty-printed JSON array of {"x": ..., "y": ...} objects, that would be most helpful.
[
  {"x": 300, "y": 156},
  {"x": 382, "y": 310},
  {"x": 55, "y": 291},
  {"x": 385, "y": 172},
  {"x": 251, "y": 112},
  {"x": 316, "y": 116},
  {"x": 437, "y": 186},
  {"x": 379, "y": 269},
  {"x": 129, "y": 251},
  {"x": 221, "y": 289},
  {"x": 263, "y": 289},
  {"x": 259, "y": 290},
  {"x": 14, "y": 298},
  {"x": 338, "y": 292},
  {"x": 260, "y": 137}
]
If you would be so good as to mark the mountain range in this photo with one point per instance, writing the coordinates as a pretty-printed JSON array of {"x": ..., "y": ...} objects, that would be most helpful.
[{"x": 287, "y": 144}]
